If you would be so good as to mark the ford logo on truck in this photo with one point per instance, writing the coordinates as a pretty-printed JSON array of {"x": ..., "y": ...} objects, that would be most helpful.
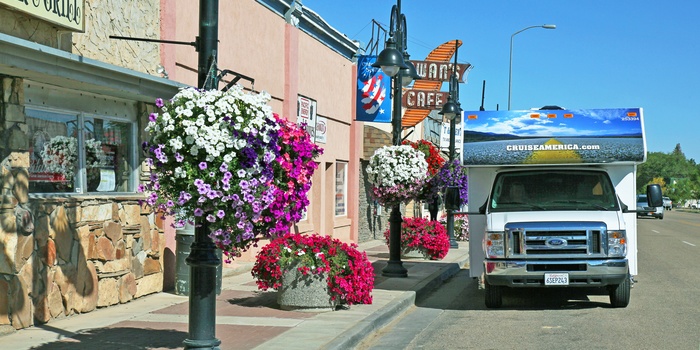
[{"x": 555, "y": 242}]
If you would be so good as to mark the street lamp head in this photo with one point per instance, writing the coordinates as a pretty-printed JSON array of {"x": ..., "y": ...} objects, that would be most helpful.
[
  {"x": 450, "y": 109},
  {"x": 549, "y": 26},
  {"x": 409, "y": 73},
  {"x": 390, "y": 59}
]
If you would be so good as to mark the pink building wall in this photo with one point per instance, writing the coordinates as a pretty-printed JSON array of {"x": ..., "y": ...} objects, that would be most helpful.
[{"x": 285, "y": 62}]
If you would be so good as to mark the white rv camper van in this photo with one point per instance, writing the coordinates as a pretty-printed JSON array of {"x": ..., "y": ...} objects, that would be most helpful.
[{"x": 552, "y": 199}]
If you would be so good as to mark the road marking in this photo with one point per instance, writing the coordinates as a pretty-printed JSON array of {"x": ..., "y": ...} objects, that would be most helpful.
[
  {"x": 655, "y": 231},
  {"x": 688, "y": 243},
  {"x": 689, "y": 223}
]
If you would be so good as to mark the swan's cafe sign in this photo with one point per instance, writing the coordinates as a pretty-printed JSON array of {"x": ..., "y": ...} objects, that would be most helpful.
[{"x": 68, "y": 14}]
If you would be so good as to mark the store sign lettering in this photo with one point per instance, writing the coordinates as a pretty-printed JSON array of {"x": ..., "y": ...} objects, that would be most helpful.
[
  {"x": 424, "y": 99},
  {"x": 66, "y": 13},
  {"x": 440, "y": 71}
]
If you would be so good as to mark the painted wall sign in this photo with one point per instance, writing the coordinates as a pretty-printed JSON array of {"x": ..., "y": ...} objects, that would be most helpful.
[
  {"x": 423, "y": 99},
  {"x": 440, "y": 71},
  {"x": 65, "y": 13},
  {"x": 592, "y": 136}
]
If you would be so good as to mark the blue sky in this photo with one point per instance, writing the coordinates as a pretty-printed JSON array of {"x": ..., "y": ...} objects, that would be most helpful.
[{"x": 603, "y": 54}]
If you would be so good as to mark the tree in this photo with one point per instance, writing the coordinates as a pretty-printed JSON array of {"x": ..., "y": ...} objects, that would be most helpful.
[{"x": 679, "y": 177}]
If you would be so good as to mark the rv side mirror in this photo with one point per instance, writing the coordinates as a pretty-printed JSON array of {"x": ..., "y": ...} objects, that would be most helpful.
[
  {"x": 452, "y": 199},
  {"x": 654, "y": 195}
]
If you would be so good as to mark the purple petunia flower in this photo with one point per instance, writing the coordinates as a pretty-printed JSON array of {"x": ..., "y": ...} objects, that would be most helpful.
[
  {"x": 220, "y": 214},
  {"x": 198, "y": 212},
  {"x": 202, "y": 165},
  {"x": 153, "y": 117},
  {"x": 159, "y": 103}
]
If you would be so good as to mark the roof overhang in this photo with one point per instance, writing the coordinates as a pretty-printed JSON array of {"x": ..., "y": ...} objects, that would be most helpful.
[{"x": 29, "y": 60}]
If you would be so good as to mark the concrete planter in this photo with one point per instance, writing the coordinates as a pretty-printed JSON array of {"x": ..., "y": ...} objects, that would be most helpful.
[
  {"x": 413, "y": 254},
  {"x": 301, "y": 292}
]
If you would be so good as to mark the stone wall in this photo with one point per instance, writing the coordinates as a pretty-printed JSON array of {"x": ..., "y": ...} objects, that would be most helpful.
[
  {"x": 371, "y": 225},
  {"x": 74, "y": 255}
]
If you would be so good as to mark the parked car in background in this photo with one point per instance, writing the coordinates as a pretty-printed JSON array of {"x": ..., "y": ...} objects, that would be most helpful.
[
  {"x": 644, "y": 210},
  {"x": 668, "y": 204}
]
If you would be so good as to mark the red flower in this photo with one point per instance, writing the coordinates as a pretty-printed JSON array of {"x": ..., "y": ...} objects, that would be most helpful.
[
  {"x": 432, "y": 154},
  {"x": 350, "y": 274},
  {"x": 428, "y": 237}
]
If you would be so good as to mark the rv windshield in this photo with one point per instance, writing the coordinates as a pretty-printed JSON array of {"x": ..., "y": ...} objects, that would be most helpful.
[{"x": 552, "y": 190}]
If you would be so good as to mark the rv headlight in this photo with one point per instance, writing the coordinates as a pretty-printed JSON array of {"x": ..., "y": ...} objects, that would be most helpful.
[
  {"x": 494, "y": 245},
  {"x": 617, "y": 243}
]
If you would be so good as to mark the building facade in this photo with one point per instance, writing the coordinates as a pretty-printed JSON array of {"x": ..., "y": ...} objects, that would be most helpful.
[{"x": 73, "y": 106}]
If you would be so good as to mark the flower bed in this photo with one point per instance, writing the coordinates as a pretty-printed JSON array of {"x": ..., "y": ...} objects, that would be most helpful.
[{"x": 350, "y": 274}]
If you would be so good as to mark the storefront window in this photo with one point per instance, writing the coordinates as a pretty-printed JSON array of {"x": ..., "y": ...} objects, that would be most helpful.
[
  {"x": 64, "y": 161},
  {"x": 340, "y": 188},
  {"x": 111, "y": 169}
]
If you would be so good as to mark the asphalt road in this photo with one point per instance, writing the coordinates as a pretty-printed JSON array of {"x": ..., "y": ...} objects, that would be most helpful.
[{"x": 664, "y": 312}]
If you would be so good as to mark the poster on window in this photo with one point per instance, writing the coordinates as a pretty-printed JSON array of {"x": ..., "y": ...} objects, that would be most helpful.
[{"x": 306, "y": 114}]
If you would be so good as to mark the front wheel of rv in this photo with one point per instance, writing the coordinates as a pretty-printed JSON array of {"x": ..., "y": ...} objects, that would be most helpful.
[
  {"x": 620, "y": 294},
  {"x": 493, "y": 296}
]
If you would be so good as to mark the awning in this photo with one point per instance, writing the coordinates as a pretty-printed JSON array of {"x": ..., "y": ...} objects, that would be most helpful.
[
  {"x": 29, "y": 60},
  {"x": 442, "y": 53}
]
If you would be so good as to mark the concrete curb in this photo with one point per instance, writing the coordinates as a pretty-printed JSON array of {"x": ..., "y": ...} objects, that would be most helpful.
[{"x": 395, "y": 309}]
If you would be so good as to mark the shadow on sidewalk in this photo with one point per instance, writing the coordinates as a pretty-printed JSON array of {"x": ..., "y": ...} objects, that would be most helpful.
[{"x": 120, "y": 338}]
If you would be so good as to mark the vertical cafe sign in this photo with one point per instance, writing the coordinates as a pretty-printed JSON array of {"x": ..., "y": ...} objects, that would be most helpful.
[{"x": 68, "y": 14}]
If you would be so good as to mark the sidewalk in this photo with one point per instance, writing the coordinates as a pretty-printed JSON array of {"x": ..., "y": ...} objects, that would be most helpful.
[{"x": 245, "y": 317}]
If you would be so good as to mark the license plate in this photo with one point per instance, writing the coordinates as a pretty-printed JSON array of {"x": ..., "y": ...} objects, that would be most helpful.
[{"x": 556, "y": 279}]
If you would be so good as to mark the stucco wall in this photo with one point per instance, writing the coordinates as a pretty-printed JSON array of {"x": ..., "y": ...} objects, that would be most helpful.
[
  {"x": 19, "y": 25},
  {"x": 128, "y": 18}
]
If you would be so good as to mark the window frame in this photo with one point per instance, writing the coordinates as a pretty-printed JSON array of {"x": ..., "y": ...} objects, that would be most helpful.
[
  {"x": 344, "y": 189},
  {"x": 80, "y": 187}
]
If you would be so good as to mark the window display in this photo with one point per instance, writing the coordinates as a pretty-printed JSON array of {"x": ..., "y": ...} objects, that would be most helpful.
[{"x": 62, "y": 160}]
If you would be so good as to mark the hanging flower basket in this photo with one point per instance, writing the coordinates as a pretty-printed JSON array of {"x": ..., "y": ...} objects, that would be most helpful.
[
  {"x": 224, "y": 157},
  {"x": 452, "y": 175},
  {"x": 397, "y": 174}
]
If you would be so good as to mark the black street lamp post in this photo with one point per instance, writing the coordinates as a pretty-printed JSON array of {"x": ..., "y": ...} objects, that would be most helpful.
[
  {"x": 452, "y": 111},
  {"x": 203, "y": 259},
  {"x": 394, "y": 62}
]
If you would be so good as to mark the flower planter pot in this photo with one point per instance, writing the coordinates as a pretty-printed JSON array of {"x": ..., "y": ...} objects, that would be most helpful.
[{"x": 301, "y": 292}]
